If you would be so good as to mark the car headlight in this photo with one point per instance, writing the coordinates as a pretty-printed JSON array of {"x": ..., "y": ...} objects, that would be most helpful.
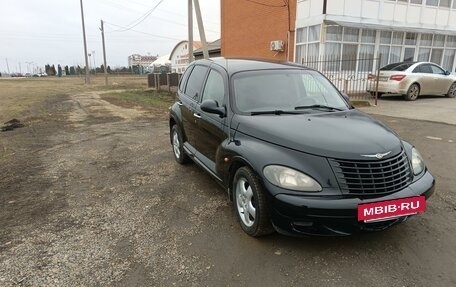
[
  {"x": 288, "y": 178},
  {"x": 417, "y": 162}
]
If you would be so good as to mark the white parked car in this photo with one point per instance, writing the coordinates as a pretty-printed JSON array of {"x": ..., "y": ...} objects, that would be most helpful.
[{"x": 412, "y": 79}]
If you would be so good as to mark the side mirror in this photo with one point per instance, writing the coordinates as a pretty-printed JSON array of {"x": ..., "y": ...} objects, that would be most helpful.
[
  {"x": 211, "y": 106},
  {"x": 447, "y": 73}
]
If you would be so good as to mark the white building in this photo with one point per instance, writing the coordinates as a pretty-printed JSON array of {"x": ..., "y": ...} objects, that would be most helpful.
[
  {"x": 139, "y": 60},
  {"x": 398, "y": 30},
  {"x": 179, "y": 56}
]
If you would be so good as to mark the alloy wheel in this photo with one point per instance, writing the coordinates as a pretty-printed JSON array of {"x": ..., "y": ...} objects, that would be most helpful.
[
  {"x": 176, "y": 144},
  {"x": 245, "y": 202}
]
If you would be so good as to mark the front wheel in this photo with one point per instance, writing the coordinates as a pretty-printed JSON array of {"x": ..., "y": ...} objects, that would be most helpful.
[
  {"x": 412, "y": 93},
  {"x": 452, "y": 91},
  {"x": 250, "y": 203}
]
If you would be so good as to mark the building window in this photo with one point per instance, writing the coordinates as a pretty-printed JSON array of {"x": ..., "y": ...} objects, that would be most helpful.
[
  {"x": 445, "y": 3},
  {"x": 432, "y": 2},
  {"x": 410, "y": 39},
  {"x": 416, "y": 1},
  {"x": 307, "y": 44},
  {"x": 350, "y": 35}
]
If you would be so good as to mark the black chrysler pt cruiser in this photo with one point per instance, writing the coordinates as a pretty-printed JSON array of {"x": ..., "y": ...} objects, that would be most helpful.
[{"x": 292, "y": 153}]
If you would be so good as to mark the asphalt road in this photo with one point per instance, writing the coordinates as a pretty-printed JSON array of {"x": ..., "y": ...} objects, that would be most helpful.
[{"x": 90, "y": 196}]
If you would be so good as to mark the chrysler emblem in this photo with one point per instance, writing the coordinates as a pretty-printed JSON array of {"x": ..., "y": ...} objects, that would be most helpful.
[{"x": 378, "y": 155}]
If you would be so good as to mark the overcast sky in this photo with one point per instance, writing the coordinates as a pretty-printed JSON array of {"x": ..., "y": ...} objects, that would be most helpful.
[{"x": 50, "y": 31}]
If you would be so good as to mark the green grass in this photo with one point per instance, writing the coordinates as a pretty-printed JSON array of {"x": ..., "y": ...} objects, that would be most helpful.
[{"x": 145, "y": 98}]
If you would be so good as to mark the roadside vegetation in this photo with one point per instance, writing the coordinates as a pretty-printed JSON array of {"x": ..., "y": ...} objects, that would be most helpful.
[{"x": 147, "y": 98}]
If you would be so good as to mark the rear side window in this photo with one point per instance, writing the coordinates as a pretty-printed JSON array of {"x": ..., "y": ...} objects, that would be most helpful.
[
  {"x": 397, "y": 67},
  {"x": 215, "y": 88},
  {"x": 195, "y": 82},
  {"x": 426, "y": 68}
]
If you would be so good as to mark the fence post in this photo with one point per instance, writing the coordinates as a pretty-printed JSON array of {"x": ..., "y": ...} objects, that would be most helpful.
[
  {"x": 168, "y": 83},
  {"x": 377, "y": 78}
]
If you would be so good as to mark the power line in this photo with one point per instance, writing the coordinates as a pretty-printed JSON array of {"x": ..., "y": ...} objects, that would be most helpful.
[
  {"x": 145, "y": 33},
  {"x": 140, "y": 19}
]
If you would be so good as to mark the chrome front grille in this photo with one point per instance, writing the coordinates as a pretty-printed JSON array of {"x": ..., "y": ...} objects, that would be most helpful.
[{"x": 373, "y": 177}]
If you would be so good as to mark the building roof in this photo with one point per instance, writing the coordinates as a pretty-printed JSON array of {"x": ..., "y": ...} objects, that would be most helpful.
[
  {"x": 196, "y": 45},
  {"x": 211, "y": 47},
  {"x": 161, "y": 61}
]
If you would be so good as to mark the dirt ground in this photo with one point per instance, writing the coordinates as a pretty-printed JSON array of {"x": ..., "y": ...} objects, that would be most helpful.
[{"x": 90, "y": 196}]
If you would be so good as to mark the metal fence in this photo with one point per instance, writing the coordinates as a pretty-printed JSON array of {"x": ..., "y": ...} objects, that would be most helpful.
[{"x": 356, "y": 76}]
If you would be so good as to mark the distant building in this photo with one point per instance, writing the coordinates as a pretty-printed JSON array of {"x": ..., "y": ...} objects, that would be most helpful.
[
  {"x": 402, "y": 30},
  {"x": 179, "y": 56},
  {"x": 139, "y": 60},
  {"x": 213, "y": 49}
]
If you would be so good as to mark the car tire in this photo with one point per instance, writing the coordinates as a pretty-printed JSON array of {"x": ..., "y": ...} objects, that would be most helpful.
[
  {"x": 412, "y": 93},
  {"x": 452, "y": 91},
  {"x": 178, "y": 145},
  {"x": 249, "y": 196}
]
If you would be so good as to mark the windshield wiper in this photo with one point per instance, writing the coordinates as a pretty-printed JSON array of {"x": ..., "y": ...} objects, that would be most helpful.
[
  {"x": 318, "y": 107},
  {"x": 274, "y": 112}
]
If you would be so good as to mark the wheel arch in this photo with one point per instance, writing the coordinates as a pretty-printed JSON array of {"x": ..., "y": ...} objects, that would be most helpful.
[{"x": 236, "y": 163}]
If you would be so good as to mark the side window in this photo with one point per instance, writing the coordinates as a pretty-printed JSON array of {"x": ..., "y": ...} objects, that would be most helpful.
[
  {"x": 437, "y": 70},
  {"x": 417, "y": 69},
  {"x": 195, "y": 82},
  {"x": 215, "y": 88},
  {"x": 184, "y": 78},
  {"x": 426, "y": 68}
]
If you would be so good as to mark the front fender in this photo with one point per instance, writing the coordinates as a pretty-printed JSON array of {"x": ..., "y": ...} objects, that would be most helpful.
[{"x": 257, "y": 154}]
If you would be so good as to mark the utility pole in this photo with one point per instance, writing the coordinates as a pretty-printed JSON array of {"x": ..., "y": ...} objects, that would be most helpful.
[
  {"x": 104, "y": 54},
  {"x": 87, "y": 78},
  {"x": 7, "y": 66},
  {"x": 190, "y": 31},
  {"x": 202, "y": 34}
]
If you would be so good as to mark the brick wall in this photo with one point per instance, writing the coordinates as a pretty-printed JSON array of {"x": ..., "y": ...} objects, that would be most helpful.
[{"x": 248, "y": 28}]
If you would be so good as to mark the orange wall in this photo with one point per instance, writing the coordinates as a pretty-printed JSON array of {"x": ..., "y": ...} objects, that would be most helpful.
[{"x": 248, "y": 28}]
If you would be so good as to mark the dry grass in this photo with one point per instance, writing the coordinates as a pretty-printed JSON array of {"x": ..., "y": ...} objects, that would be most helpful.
[{"x": 19, "y": 95}]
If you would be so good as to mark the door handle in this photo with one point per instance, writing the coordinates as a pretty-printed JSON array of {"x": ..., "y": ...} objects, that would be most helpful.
[{"x": 198, "y": 116}]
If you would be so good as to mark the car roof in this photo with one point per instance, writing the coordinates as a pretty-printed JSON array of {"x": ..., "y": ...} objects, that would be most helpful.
[{"x": 234, "y": 65}]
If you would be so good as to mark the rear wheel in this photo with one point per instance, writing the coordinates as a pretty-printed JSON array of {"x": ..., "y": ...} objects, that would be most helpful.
[
  {"x": 178, "y": 149},
  {"x": 250, "y": 203},
  {"x": 452, "y": 91},
  {"x": 412, "y": 93}
]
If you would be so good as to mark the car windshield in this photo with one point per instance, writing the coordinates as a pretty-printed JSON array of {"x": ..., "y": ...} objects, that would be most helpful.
[
  {"x": 279, "y": 91},
  {"x": 397, "y": 67}
]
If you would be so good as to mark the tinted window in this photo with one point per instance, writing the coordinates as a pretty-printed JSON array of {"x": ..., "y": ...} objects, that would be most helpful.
[
  {"x": 397, "y": 67},
  {"x": 215, "y": 88},
  {"x": 183, "y": 80},
  {"x": 425, "y": 68},
  {"x": 195, "y": 82}
]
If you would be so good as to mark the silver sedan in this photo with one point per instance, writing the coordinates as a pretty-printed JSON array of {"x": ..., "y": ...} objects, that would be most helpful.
[{"x": 412, "y": 79}]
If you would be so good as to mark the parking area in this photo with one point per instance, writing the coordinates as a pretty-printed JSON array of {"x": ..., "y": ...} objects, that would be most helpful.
[
  {"x": 90, "y": 195},
  {"x": 427, "y": 108}
]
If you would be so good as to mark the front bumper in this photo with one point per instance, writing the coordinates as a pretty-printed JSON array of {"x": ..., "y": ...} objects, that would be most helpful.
[{"x": 336, "y": 215}]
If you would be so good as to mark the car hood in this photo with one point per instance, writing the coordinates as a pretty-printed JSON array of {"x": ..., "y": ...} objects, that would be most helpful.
[{"x": 348, "y": 134}]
